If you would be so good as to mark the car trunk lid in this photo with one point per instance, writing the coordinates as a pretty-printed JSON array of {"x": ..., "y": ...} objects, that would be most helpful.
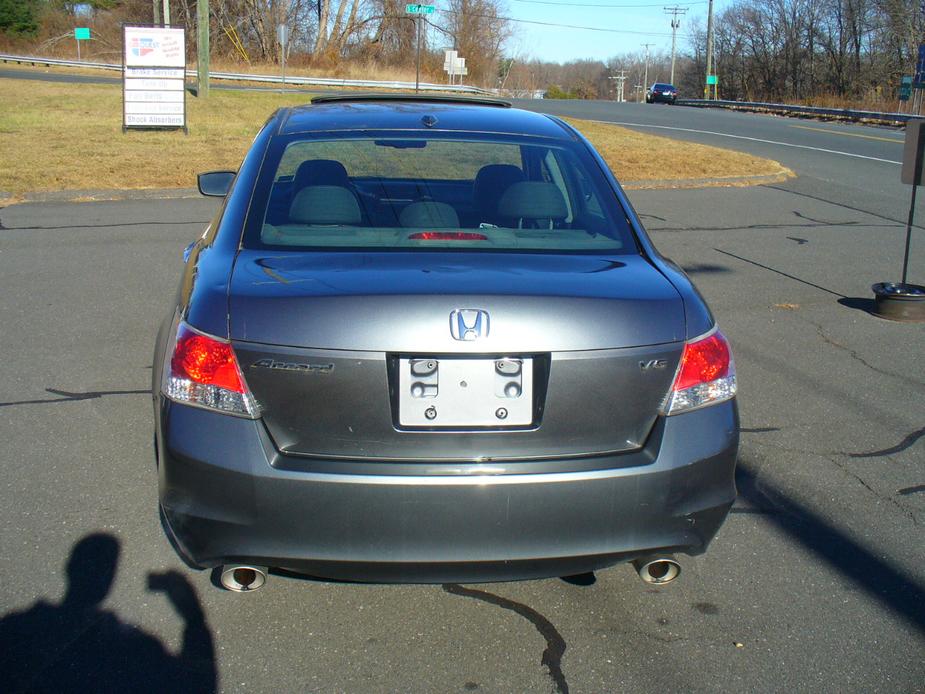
[{"x": 326, "y": 341}]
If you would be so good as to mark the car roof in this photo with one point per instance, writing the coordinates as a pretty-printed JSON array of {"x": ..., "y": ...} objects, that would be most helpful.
[{"x": 407, "y": 111}]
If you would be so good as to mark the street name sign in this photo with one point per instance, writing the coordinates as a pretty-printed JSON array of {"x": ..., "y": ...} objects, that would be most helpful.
[
  {"x": 153, "y": 77},
  {"x": 420, "y": 9},
  {"x": 712, "y": 80}
]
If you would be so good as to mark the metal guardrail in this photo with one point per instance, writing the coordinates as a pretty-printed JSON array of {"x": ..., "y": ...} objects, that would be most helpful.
[
  {"x": 786, "y": 109},
  {"x": 272, "y": 79}
]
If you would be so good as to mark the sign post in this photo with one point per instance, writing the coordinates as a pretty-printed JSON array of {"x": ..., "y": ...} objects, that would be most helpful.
[
  {"x": 153, "y": 78},
  {"x": 81, "y": 34},
  {"x": 282, "y": 34},
  {"x": 417, "y": 11},
  {"x": 904, "y": 301}
]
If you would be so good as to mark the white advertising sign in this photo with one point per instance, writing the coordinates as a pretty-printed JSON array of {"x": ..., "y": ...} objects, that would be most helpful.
[
  {"x": 140, "y": 95},
  {"x": 163, "y": 85},
  {"x": 148, "y": 120},
  {"x": 155, "y": 47},
  {"x": 154, "y": 72},
  {"x": 153, "y": 77}
]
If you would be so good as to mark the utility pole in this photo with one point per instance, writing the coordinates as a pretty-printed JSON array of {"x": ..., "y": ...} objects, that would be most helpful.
[
  {"x": 706, "y": 87},
  {"x": 417, "y": 69},
  {"x": 645, "y": 80},
  {"x": 157, "y": 11},
  {"x": 620, "y": 79},
  {"x": 166, "y": 13},
  {"x": 202, "y": 47},
  {"x": 675, "y": 23}
]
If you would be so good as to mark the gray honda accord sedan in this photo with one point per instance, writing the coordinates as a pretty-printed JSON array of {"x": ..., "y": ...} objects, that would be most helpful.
[{"x": 428, "y": 339}]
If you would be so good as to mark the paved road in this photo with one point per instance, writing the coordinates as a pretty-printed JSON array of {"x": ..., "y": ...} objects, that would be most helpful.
[
  {"x": 816, "y": 582},
  {"x": 852, "y": 165}
]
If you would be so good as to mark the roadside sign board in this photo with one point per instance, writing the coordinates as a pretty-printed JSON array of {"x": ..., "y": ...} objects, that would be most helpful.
[
  {"x": 420, "y": 9},
  {"x": 82, "y": 33},
  {"x": 153, "y": 77},
  {"x": 905, "y": 88},
  {"x": 919, "y": 80},
  {"x": 913, "y": 154},
  {"x": 282, "y": 34},
  {"x": 453, "y": 64},
  {"x": 712, "y": 80}
]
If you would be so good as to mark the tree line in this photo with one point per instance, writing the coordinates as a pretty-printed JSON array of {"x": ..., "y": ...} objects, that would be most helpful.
[
  {"x": 323, "y": 33},
  {"x": 804, "y": 50},
  {"x": 764, "y": 50}
]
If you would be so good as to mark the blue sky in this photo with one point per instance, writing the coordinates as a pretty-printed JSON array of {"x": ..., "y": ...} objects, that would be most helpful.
[{"x": 627, "y": 27}]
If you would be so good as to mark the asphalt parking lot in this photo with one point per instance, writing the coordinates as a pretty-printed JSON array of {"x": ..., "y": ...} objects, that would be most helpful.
[{"x": 816, "y": 582}]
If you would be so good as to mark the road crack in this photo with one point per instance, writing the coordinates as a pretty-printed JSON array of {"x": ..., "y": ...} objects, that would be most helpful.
[
  {"x": 832, "y": 457},
  {"x": 857, "y": 357},
  {"x": 555, "y": 644}
]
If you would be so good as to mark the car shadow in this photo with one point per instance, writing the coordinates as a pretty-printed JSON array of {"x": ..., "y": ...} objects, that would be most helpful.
[
  {"x": 78, "y": 645},
  {"x": 890, "y": 586}
]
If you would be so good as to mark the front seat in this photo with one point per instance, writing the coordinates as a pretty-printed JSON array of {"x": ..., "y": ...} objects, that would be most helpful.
[
  {"x": 433, "y": 215},
  {"x": 320, "y": 172},
  {"x": 325, "y": 206},
  {"x": 533, "y": 204},
  {"x": 490, "y": 184}
]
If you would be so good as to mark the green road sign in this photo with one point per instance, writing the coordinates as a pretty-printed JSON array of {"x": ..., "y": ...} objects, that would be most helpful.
[
  {"x": 712, "y": 80},
  {"x": 82, "y": 33},
  {"x": 420, "y": 9},
  {"x": 905, "y": 89}
]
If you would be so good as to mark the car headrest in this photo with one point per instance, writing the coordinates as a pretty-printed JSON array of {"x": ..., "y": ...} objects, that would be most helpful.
[
  {"x": 320, "y": 172},
  {"x": 533, "y": 200},
  {"x": 436, "y": 215},
  {"x": 490, "y": 183},
  {"x": 325, "y": 205}
]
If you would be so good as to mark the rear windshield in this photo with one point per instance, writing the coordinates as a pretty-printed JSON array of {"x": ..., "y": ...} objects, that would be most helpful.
[
  {"x": 664, "y": 86},
  {"x": 395, "y": 191}
]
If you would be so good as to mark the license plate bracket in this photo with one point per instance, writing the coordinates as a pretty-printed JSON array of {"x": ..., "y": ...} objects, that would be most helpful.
[{"x": 439, "y": 392}]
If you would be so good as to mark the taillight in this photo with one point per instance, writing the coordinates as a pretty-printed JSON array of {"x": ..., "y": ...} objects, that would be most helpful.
[
  {"x": 203, "y": 371},
  {"x": 706, "y": 375}
]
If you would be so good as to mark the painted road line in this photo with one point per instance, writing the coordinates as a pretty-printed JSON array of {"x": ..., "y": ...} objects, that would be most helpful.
[
  {"x": 838, "y": 132},
  {"x": 751, "y": 139}
]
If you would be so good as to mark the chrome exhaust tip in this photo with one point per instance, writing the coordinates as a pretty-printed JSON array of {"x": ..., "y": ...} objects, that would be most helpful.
[
  {"x": 243, "y": 578},
  {"x": 657, "y": 570}
]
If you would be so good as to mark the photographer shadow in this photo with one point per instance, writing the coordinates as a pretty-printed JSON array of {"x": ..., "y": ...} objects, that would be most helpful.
[{"x": 78, "y": 645}]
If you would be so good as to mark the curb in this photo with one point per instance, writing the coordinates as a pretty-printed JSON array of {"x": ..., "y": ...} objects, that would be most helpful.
[
  {"x": 724, "y": 182},
  {"x": 100, "y": 195}
]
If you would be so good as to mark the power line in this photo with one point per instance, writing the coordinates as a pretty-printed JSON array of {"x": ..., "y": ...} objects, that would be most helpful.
[{"x": 555, "y": 24}]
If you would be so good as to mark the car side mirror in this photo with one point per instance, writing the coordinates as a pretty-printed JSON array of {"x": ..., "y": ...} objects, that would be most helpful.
[{"x": 215, "y": 183}]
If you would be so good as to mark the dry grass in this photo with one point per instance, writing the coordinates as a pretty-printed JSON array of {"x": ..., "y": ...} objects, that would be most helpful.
[
  {"x": 636, "y": 157},
  {"x": 63, "y": 136},
  {"x": 57, "y": 136}
]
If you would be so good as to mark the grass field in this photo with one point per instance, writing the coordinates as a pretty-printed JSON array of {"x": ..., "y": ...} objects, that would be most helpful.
[{"x": 56, "y": 136}]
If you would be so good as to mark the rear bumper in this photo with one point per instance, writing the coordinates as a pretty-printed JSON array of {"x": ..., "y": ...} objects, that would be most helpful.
[{"x": 228, "y": 496}]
